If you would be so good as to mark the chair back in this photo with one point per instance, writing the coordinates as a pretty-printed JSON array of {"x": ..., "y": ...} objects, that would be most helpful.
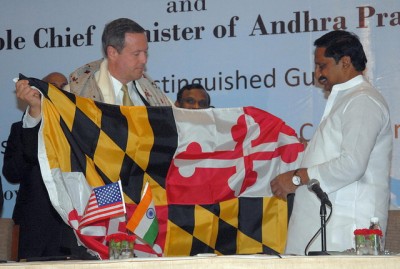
[
  {"x": 8, "y": 240},
  {"x": 392, "y": 239}
]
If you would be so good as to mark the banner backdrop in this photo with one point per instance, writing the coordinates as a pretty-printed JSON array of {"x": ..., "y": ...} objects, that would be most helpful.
[{"x": 246, "y": 53}]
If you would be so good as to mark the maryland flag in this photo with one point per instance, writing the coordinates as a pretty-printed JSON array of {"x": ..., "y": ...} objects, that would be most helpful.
[{"x": 209, "y": 171}]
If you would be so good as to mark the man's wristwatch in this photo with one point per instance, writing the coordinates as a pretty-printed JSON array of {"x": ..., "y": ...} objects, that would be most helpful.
[{"x": 296, "y": 179}]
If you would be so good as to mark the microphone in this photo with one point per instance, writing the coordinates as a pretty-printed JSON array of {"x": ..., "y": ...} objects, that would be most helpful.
[{"x": 313, "y": 185}]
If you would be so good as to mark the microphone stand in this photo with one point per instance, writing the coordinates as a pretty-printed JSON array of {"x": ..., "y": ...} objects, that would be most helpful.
[{"x": 322, "y": 212}]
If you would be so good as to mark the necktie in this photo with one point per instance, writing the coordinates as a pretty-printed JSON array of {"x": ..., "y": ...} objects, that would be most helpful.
[{"x": 126, "y": 100}]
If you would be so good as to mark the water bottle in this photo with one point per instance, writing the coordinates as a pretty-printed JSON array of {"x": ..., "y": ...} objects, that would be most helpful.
[{"x": 374, "y": 224}]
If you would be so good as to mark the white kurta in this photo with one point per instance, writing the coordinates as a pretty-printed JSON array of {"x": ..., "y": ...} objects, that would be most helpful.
[{"x": 349, "y": 155}]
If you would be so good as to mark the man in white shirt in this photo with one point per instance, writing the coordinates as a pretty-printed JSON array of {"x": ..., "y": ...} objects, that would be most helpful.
[
  {"x": 349, "y": 153},
  {"x": 125, "y": 49}
]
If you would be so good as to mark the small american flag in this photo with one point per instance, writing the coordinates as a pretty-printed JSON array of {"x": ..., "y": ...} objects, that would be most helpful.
[{"x": 105, "y": 202}]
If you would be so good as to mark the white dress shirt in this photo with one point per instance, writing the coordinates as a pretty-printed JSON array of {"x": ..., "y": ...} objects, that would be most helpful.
[
  {"x": 133, "y": 94},
  {"x": 349, "y": 155}
]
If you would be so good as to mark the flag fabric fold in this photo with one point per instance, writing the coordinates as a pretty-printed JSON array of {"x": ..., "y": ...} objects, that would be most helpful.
[
  {"x": 143, "y": 221},
  {"x": 209, "y": 171}
]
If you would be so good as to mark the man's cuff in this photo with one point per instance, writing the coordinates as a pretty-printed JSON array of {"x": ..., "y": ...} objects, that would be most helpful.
[{"x": 28, "y": 121}]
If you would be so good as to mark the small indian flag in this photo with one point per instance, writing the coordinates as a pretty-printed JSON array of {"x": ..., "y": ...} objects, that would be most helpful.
[{"x": 144, "y": 222}]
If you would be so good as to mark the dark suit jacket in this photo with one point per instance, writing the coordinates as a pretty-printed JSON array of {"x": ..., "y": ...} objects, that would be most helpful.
[{"x": 40, "y": 225}]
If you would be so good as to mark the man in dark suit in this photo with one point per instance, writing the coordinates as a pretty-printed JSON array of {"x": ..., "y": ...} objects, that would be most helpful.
[
  {"x": 42, "y": 231},
  {"x": 40, "y": 225}
]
